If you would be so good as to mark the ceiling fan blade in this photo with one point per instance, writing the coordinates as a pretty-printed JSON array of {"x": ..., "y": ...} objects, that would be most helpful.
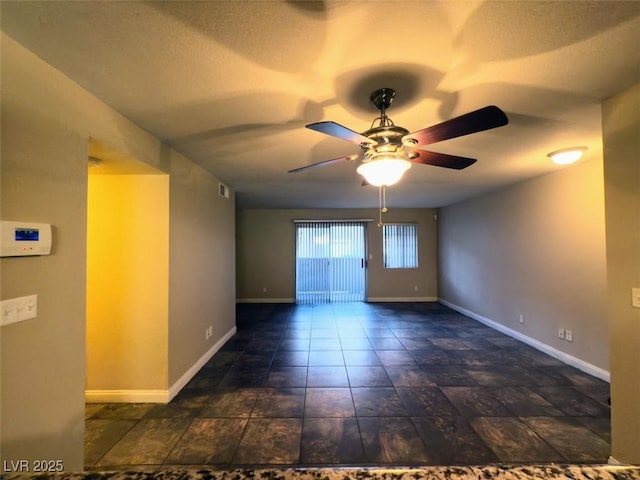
[
  {"x": 440, "y": 159},
  {"x": 325, "y": 162},
  {"x": 477, "y": 121},
  {"x": 339, "y": 131}
]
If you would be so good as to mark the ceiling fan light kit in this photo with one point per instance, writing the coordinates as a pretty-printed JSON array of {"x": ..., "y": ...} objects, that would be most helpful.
[
  {"x": 567, "y": 156},
  {"x": 387, "y": 150},
  {"x": 384, "y": 171}
]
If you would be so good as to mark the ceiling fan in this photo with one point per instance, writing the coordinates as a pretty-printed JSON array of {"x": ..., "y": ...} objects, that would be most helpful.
[{"x": 387, "y": 150}]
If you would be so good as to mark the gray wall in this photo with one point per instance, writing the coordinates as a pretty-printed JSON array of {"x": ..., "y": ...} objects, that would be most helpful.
[
  {"x": 201, "y": 264},
  {"x": 621, "y": 134},
  {"x": 44, "y": 178},
  {"x": 47, "y": 121},
  {"x": 265, "y": 242},
  {"x": 536, "y": 248}
]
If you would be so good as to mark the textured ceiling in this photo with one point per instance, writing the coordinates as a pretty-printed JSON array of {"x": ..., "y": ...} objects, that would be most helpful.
[{"x": 231, "y": 84}]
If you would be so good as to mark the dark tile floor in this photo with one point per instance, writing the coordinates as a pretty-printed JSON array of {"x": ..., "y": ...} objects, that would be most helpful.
[{"x": 362, "y": 384}]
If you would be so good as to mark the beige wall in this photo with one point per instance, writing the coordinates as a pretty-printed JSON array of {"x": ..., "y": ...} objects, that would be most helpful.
[
  {"x": 127, "y": 282},
  {"x": 266, "y": 254},
  {"x": 621, "y": 134},
  {"x": 47, "y": 121},
  {"x": 536, "y": 248}
]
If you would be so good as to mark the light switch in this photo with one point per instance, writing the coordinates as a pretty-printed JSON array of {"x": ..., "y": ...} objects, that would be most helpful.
[{"x": 18, "y": 309}]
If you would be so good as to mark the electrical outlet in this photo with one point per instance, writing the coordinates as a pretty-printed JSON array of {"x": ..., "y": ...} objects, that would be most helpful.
[
  {"x": 635, "y": 297},
  {"x": 561, "y": 333},
  {"x": 208, "y": 333},
  {"x": 415, "y": 288},
  {"x": 521, "y": 318},
  {"x": 264, "y": 289},
  {"x": 568, "y": 335}
]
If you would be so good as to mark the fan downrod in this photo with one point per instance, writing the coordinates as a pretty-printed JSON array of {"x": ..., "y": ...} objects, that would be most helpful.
[{"x": 382, "y": 98}]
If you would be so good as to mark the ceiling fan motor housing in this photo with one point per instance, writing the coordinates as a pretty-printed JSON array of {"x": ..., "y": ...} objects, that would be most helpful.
[{"x": 388, "y": 142}]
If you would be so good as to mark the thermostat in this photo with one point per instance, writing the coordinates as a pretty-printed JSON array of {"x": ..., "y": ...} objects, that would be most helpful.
[{"x": 19, "y": 239}]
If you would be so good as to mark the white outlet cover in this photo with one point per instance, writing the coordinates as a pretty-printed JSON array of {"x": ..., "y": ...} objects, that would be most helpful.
[{"x": 635, "y": 297}]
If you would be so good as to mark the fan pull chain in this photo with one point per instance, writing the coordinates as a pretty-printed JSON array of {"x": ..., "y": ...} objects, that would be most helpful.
[{"x": 382, "y": 202}]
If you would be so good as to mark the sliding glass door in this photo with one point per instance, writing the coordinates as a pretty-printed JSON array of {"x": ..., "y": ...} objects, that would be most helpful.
[
  {"x": 330, "y": 261},
  {"x": 313, "y": 255}
]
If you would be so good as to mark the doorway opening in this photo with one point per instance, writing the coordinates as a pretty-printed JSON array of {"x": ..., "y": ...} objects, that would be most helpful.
[
  {"x": 127, "y": 279},
  {"x": 331, "y": 261}
]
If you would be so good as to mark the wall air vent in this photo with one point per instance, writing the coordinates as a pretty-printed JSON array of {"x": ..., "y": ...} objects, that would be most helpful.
[{"x": 223, "y": 190}]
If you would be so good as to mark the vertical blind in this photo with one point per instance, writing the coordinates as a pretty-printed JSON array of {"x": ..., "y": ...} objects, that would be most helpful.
[
  {"x": 400, "y": 245},
  {"x": 330, "y": 261}
]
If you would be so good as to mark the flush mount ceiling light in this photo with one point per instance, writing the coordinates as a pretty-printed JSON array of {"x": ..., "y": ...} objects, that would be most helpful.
[{"x": 566, "y": 156}]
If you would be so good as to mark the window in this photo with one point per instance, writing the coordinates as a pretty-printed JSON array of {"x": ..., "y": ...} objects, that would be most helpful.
[{"x": 400, "y": 245}]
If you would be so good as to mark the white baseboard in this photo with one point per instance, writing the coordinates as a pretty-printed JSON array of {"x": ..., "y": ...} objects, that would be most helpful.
[
  {"x": 126, "y": 396},
  {"x": 538, "y": 345},
  {"x": 370, "y": 299},
  {"x": 265, "y": 300},
  {"x": 156, "y": 396},
  {"x": 401, "y": 299},
  {"x": 195, "y": 368}
]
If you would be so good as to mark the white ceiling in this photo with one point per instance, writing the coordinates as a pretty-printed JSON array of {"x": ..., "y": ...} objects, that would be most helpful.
[{"x": 231, "y": 84}]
